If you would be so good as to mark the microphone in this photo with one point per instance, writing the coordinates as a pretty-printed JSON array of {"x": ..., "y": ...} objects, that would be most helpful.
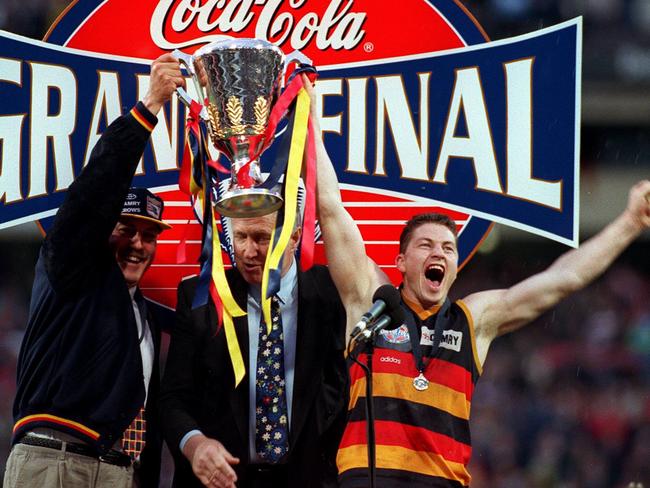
[
  {"x": 386, "y": 297},
  {"x": 389, "y": 321}
]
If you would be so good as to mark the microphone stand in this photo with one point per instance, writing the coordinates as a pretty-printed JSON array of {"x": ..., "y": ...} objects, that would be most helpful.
[{"x": 370, "y": 410}]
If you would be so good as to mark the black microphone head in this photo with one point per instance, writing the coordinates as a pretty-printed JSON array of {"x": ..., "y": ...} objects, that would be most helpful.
[
  {"x": 391, "y": 296},
  {"x": 396, "y": 318},
  {"x": 388, "y": 294}
]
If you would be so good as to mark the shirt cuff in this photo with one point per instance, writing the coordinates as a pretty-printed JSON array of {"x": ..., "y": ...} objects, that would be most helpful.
[
  {"x": 146, "y": 119},
  {"x": 187, "y": 437}
]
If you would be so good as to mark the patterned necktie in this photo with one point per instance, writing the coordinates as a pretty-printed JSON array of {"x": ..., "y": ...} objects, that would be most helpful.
[
  {"x": 271, "y": 418},
  {"x": 133, "y": 439}
]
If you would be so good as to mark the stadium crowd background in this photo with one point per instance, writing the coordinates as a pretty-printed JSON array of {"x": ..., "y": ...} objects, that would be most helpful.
[{"x": 564, "y": 402}]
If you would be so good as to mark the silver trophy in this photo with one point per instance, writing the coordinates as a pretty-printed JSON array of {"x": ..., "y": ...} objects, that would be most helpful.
[{"x": 244, "y": 79}]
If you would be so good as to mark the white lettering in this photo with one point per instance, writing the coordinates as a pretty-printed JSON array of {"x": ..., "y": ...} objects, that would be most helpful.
[
  {"x": 337, "y": 28},
  {"x": 390, "y": 359},
  {"x": 10, "y": 139},
  {"x": 269, "y": 25},
  {"x": 392, "y": 105},
  {"x": 467, "y": 98},
  {"x": 521, "y": 183},
  {"x": 357, "y": 127},
  {"x": 58, "y": 128},
  {"x": 107, "y": 103}
]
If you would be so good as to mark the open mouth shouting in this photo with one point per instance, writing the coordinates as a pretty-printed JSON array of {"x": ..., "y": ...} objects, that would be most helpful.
[{"x": 434, "y": 274}]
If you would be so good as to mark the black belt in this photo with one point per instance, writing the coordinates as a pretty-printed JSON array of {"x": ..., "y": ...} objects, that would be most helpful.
[
  {"x": 111, "y": 457},
  {"x": 265, "y": 475}
]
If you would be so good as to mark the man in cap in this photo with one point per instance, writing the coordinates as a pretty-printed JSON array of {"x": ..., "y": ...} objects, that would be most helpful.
[{"x": 85, "y": 409}]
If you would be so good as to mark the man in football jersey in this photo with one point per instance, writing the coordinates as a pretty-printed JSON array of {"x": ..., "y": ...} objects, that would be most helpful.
[{"x": 424, "y": 372}]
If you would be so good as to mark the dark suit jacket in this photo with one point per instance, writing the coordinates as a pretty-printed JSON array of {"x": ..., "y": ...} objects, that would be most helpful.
[{"x": 198, "y": 386}]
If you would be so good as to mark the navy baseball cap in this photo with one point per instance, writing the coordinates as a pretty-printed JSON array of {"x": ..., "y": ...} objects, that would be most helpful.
[{"x": 140, "y": 203}]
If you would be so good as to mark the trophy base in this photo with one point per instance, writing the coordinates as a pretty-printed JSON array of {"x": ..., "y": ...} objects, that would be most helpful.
[{"x": 248, "y": 203}]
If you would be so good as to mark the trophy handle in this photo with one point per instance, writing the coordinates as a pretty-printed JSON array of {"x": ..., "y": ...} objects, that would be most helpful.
[
  {"x": 298, "y": 57},
  {"x": 188, "y": 61},
  {"x": 295, "y": 57}
]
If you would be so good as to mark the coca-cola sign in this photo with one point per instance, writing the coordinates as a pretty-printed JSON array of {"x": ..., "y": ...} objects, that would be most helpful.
[
  {"x": 336, "y": 27},
  {"x": 418, "y": 114}
]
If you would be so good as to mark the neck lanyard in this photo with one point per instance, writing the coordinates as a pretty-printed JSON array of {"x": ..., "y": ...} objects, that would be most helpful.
[{"x": 412, "y": 322}]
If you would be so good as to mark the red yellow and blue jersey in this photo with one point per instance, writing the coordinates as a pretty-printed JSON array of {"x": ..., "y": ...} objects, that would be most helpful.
[{"x": 422, "y": 437}]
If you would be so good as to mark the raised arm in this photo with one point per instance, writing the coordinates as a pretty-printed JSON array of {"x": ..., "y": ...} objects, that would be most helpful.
[
  {"x": 496, "y": 312},
  {"x": 94, "y": 200},
  {"x": 355, "y": 275}
]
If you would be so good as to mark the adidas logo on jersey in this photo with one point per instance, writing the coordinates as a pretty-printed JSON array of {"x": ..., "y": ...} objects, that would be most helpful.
[{"x": 390, "y": 359}]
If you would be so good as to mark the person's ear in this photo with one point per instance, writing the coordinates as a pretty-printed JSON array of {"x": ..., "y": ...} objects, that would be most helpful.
[{"x": 399, "y": 263}]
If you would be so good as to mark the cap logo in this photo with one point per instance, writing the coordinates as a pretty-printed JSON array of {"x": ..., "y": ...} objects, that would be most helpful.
[{"x": 153, "y": 208}]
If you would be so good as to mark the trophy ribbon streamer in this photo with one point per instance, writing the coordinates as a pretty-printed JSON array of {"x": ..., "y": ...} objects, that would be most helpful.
[
  {"x": 309, "y": 214},
  {"x": 294, "y": 166},
  {"x": 193, "y": 140},
  {"x": 280, "y": 109}
]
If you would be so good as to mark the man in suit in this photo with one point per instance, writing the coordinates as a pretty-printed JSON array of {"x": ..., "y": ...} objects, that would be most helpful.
[
  {"x": 86, "y": 403},
  {"x": 215, "y": 430}
]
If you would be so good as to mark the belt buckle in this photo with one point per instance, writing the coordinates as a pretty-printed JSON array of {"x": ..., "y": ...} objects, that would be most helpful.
[
  {"x": 104, "y": 459},
  {"x": 116, "y": 460}
]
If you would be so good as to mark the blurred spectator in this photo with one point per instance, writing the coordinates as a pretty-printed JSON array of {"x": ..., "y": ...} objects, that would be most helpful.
[
  {"x": 616, "y": 32},
  {"x": 30, "y": 18},
  {"x": 563, "y": 402}
]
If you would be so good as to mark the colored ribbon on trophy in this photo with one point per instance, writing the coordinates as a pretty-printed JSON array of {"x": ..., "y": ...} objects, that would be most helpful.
[
  {"x": 227, "y": 307},
  {"x": 213, "y": 282},
  {"x": 279, "y": 110},
  {"x": 307, "y": 242},
  {"x": 306, "y": 251},
  {"x": 309, "y": 214},
  {"x": 196, "y": 181},
  {"x": 272, "y": 266},
  {"x": 188, "y": 181}
]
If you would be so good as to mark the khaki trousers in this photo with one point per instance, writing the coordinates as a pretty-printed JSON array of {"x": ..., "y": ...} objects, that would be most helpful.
[{"x": 42, "y": 467}]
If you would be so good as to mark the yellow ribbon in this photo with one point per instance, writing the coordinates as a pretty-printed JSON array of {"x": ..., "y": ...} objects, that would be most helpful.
[
  {"x": 230, "y": 307},
  {"x": 233, "y": 348},
  {"x": 219, "y": 274},
  {"x": 292, "y": 179}
]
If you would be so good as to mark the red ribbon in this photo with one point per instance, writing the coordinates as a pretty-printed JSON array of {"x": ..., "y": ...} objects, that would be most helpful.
[
  {"x": 215, "y": 164},
  {"x": 309, "y": 217},
  {"x": 279, "y": 110},
  {"x": 218, "y": 304},
  {"x": 181, "y": 250},
  {"x": 192, "y": 124}
]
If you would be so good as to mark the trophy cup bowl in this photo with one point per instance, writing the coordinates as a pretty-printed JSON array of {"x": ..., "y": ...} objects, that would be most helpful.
[{"x": 244, "y": 78}]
